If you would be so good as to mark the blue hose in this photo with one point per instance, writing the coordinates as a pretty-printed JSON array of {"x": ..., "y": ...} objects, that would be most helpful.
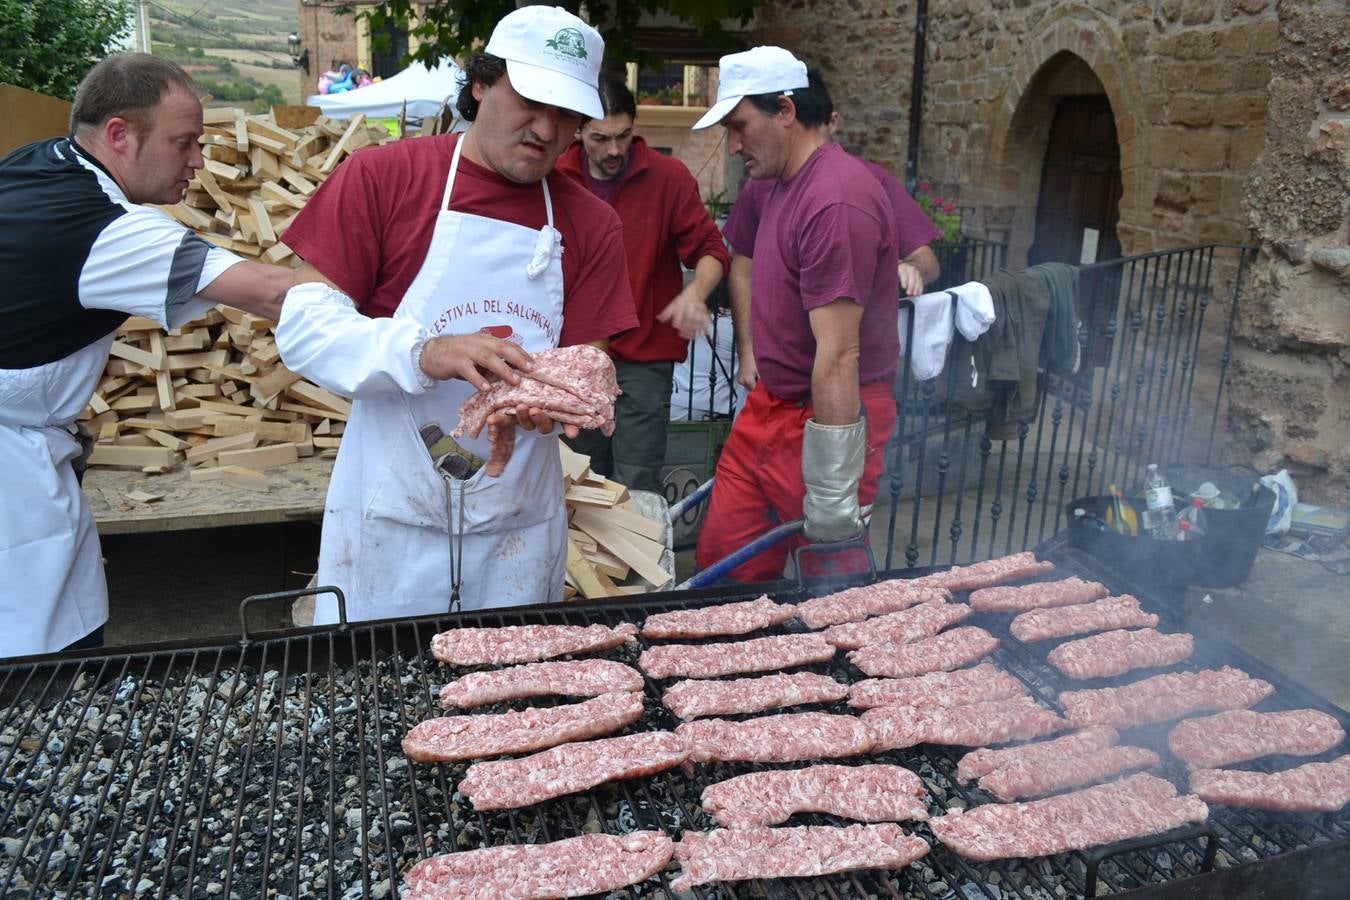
[{"x": 727, "y": 564}]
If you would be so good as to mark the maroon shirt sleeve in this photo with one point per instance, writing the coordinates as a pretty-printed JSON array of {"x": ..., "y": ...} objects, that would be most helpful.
[
  {"x": 339, "y": 230},
  {"x": 696, "y": 234},
  {"x": 914, "y": 228},
  {"x": 743, "y": 220},
  {"x": 597, "y": 300}
]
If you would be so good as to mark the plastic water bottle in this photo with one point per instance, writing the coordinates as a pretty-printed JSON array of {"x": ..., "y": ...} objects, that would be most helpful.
[
  {"x": 1193, "y": 519},
  {"x": 1161, "y": 513}
]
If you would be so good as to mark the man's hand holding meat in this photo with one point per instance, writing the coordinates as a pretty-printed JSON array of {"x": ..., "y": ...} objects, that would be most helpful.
[{"x": 474, "y": 259}]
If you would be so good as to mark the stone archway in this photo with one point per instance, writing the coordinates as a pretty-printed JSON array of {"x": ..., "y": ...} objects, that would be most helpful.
[{"x": 1072, "y": 50}]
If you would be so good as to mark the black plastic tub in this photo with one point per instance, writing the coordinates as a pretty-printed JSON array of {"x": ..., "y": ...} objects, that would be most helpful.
[{"x": 1167, "y": 567}]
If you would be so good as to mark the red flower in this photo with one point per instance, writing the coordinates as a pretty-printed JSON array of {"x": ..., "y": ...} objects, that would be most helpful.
[
  {"x": 925, "y": 186},
  {"x": 948, "y": 207}
]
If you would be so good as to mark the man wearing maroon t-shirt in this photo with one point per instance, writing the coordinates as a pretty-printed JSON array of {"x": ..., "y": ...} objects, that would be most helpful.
[
  {"x": 434, "y": 264},
  {"x": 810, "y": 440},
  {"x": 664, "y": 224},
  {"x": 918, "y": 264}
]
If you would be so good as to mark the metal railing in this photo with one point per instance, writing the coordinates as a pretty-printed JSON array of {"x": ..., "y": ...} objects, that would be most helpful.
[
  {"x": 706, "y": 380},
  {"x": 1153, "y": 361}
]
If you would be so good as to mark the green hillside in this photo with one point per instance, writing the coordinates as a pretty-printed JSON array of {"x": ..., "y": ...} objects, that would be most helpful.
[{"x": 235, "y": 49}]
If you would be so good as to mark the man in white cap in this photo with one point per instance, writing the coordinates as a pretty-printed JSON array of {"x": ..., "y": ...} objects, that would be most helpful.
[
  {"x": 810, "y": 440},
  {"x": 436, "y": 264}
]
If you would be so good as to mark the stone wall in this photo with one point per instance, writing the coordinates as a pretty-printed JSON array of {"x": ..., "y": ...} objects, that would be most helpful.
[
  {"x": 1290, "y": 396},
  {"x": 1231, "y": 117}
]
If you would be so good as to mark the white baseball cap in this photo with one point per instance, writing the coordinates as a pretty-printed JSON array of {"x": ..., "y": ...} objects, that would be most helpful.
[
  {"x": 552, "y": 57},
  {"x": 763, "y": 70}
]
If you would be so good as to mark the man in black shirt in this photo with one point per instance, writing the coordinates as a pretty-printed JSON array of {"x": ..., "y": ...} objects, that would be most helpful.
[{"x": 78, "y": 256}]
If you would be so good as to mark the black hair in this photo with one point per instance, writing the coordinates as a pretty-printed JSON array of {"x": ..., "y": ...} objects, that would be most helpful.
[
  {"x": 615, "y": 97},
  {"x": 480, "y": 68},
  {"x": 127, "y": 85},
  {"x": 813, "y": 102}
]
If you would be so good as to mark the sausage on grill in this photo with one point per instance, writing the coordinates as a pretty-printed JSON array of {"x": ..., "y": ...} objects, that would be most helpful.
[
  {"x": 942, "y": 652},
  {"x": 473, "y": 736},
  {"x": 570, "y": 768},
  {"x": 695, "y": 698},
  {"x": 1311, "y": 787},
  {"x": 1117, "y": 652},
  {"x": 1164, "y": 697},
  {"x": 983, "y": 761},
  {"x": 871, "y": 793},
  {"x": 779, "y": 651},
  {"x": 806, "y": 851},
  {"x": 574, "y": 678},
  {"x": 1122, "y": 611},
  {"x": 788, "y": 737},
  {"x": 573, "y": 867},
  {"x": 983, "y": 682},
  {"x": 1242, "y": 734},
  {"x": 1133, "y": 807},
  {"x": 525, "y": 643},
  {"x": 974, "y": 725},
  {"x": 1041, "y": 595},
  {"x": 922, "y": 621},
  {"x": 713, "y": 621}
]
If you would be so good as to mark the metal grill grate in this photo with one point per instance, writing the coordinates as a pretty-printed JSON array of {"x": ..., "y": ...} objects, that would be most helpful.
[{"x": 275, "y": 769}]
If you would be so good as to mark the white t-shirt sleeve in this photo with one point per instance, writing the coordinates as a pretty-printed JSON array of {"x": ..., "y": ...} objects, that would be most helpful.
[{"x": 146, "y": 264}]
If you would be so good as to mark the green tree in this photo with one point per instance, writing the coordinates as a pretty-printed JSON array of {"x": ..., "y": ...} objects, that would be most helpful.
[
  {"x": 451, "y": 27},
  {"x": 49, "y": 45}
]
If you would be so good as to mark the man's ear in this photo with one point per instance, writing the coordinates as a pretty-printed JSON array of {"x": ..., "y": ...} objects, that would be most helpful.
[
  {"x": 118, "y": 133},
  {"x": 787, "y": 109},
  {"x": 479, "y": 89}
]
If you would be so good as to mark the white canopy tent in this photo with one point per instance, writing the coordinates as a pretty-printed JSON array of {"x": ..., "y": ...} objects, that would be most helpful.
[{"x": 424, "y": 90}]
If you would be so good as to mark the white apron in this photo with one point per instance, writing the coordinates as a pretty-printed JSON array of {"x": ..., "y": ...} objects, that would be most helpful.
[
  {"x": 398, "y": 536},
  {"x": 52, "y": 592}
]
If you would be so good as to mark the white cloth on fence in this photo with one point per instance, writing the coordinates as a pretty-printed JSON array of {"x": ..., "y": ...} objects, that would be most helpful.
[
  {"x": 974, "y": 309},
  {"x": 937, "y": 315}
]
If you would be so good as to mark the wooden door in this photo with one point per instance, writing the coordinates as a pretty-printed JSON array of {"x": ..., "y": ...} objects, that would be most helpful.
[{"x": 1080, "y": 185}]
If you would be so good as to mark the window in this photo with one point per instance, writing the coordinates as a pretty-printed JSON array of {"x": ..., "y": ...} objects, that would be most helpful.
[{"x": 673, "y": 84}]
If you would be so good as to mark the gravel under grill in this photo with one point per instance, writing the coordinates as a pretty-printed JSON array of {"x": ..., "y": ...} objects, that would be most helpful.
[{"x": 275, "y": 769}]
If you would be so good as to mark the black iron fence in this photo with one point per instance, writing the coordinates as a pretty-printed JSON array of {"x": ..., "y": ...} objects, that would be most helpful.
[
  {"x": 1155, "y": 333},
  {"x": 706, "y": 380}
]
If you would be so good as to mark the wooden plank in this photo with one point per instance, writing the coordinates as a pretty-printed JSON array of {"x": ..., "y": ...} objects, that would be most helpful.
[
  {"x": 164, "y": 439},
  {"x": 298, "y": 181},
  {"x": 234, "y": 476},
  {"x": 181, "y": 362},
  {"x": 220, "y": 173},
  {"x": 277, "y": 252},
  {"x": 209, "y": 184},
  {"x": 317, "y": 396},
  {"x": 637, "y": 523},
  {"x": 213, "y": 447},
  {"x": 186, "y": 215},
  {"x": 575, "y": 465},
  {"x": 589, "y": 496},
  {"x": 643, "y": 555},
  {"x": 263, "y": 162},
  {"x": 219, "y": 115},
  {"x": 273, "y": 191},
  {"x": 261, "y": 457},
  {"x": 272, "y": 384},
  {"x": 240, "y": 131},
  {"x": 134, "y": 403},
  {"x": 339, "y": 149},
  {"x": 137, "y": 355},
  {"x": 269, "y": 432},
  {"x": 134, "y": 457},
  {"x": 608, "y": 563},
  {"x": 584, "y": 575},
  {"x": 229, "y": 409},
  {"x": 294, "y": 117},
  {"x": 263, "y": 222}
]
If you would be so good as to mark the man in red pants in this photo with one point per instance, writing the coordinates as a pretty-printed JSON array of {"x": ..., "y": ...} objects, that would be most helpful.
[{"x": 810, "y": 440}]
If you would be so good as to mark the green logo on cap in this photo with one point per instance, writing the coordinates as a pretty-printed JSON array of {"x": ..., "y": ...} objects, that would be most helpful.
[{"x": 569, "y": 42}]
